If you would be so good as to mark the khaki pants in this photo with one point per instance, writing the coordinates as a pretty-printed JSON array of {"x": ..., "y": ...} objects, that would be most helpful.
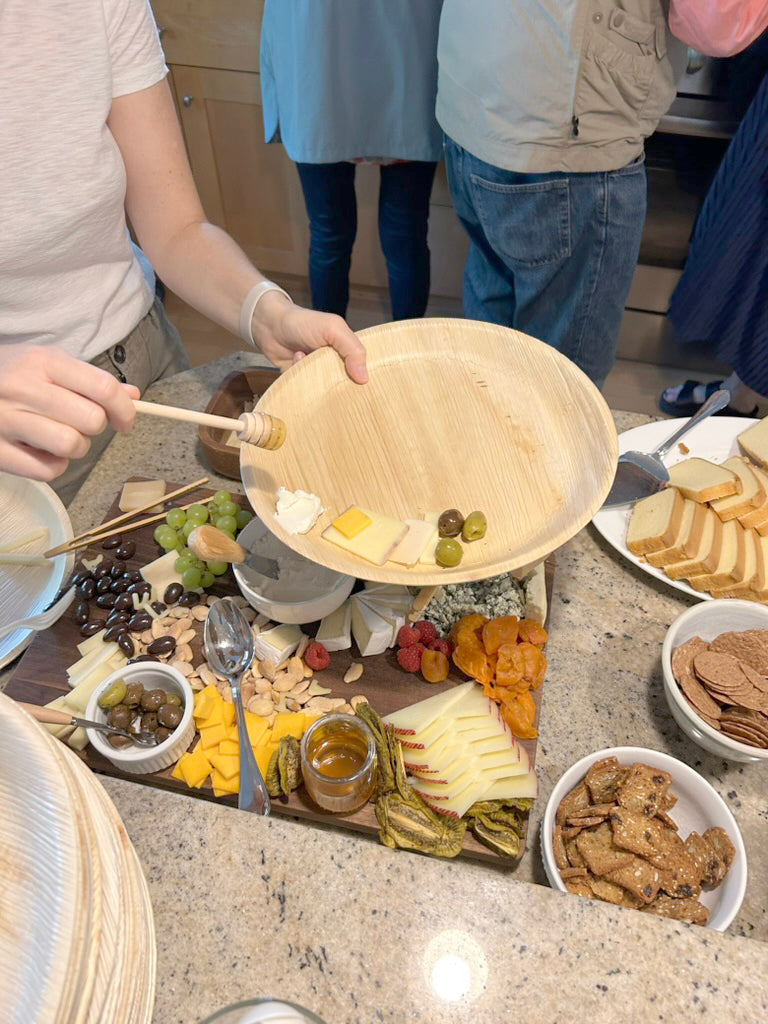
[{"x": 151, "y": 351}]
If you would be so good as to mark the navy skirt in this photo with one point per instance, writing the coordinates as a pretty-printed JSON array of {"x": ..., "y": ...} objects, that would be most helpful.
[{"x": 722, "y": 297}]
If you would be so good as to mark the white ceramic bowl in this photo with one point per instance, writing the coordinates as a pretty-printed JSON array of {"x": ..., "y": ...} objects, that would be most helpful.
[
  {"x": 143, "y": 760},
  {"x": 698, "y": 808},
  {"x": 333, "y": 590},
  {"x": 708, "y": 620}
]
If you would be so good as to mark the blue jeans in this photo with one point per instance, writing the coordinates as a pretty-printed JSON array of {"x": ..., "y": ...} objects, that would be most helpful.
[
  {"x": 329, "y": 194},
  {"x": 551, "y": 255}
]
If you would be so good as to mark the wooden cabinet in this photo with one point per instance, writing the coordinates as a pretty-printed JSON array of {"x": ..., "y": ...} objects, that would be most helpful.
[{"x": 250, "y": 188}]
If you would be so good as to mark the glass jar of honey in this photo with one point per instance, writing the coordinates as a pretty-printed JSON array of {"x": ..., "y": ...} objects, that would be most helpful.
[{"x": 338, "y": 763}]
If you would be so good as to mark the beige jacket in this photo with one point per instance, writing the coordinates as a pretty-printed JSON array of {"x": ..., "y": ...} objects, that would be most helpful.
[{"x": 555, "y": 85}]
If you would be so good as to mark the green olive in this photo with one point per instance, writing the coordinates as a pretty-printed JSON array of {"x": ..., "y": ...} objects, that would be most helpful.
[
  {"x": 448, "y": 552},
  {"x": 114, "y": 695},
  {"x": 450, "y": 523},
  {"x": 474, "y": 527},
  {"x": 174, "y": 699}
]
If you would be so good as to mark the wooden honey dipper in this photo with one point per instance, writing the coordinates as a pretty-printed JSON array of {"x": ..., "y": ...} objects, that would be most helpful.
[{"x": 257, "y": 428}]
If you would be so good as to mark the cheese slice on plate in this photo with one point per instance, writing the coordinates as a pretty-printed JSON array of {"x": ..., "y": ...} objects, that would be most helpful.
[
  {"x": 427, "y": 556},
  {"x": 138, "y": 494},
  {"x": 414, "y": 543},
  {"x": 375, "y": 543}
]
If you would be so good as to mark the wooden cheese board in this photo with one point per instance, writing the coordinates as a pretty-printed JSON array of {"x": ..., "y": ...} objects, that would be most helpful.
[{"x": 41, "y": 677}]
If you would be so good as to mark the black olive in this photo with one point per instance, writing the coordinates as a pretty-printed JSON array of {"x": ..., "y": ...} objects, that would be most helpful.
[
  {"x": 90, "y": 628},
  {"x": 172, "y": 593},
  {"x": 126, "y": 550},
  {"x": 189, "y": 599},
  {"x": 87, "y": 588},
  {"x": 163, "y": 645},
  {"x": 126, "y": 645},
  {"x": 106, "y": 600},
  {"x": 81, "y": 612},
  {"x": 112, "y": 542}
]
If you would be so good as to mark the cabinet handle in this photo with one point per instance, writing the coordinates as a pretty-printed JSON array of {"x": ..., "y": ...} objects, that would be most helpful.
[{"x": 187, "y": 100}]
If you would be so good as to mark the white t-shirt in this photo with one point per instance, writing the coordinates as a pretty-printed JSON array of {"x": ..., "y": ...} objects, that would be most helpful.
[{"x": 68, "y": 273}]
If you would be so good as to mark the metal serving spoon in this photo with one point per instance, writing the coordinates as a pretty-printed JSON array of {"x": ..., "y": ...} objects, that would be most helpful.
[
  {"x": 229, "y": 648},
  {"x": 640, "y": 474},
  {"x": 53, "y": 717}
]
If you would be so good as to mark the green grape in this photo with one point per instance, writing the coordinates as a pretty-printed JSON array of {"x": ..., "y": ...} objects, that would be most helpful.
[
  {"x": 228, "y": 524},
  {"x": 191, "y": 579},
  {"x": 217, "y": 568},
  {"x": 243, "y": 517},
  {"x": 176, "y": 517},
  {"x": 220, "y": 497},
  {"x": 207, "y": 579},
  {"x": 187, "y": 528},
  {"x": 197, "y": 514},
  {"x": 186, "y": 560},
  {"x": 165, "y": 537},
  {"x": 228, "y": 508}
]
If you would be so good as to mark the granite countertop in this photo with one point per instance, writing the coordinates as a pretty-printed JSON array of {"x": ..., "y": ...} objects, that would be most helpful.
[{"x": 246, "y": 906}]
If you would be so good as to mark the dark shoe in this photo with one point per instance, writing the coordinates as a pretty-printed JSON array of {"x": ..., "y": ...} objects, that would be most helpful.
[{"x": 684, "y": 404}]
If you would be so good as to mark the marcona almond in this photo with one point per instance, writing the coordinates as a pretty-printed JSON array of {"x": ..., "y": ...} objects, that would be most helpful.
[
  {"x": 248, "y": 691},
  {"x": 268, "y": 669},
  {"x": 196, "y": 683},
  {"x": 200, "y": 612},
  {"x": 181, "y": 666},
  {"x": 323, "y": 704},
  {"x": 207, "y": 675},
  {"x": 262, "y": 685},
  {"x": 187, "y": 636},
  {"x": 162, "y": 627},
  {"x": 358, "y": 699},
  {"x": 147, "y": 637},
  {"x": 353, "y": 673},
  {"x": 184, "y": 651},
  {"x": 260, "y": 706},
  {"x": 292, "y": 705},
  {"x": 284, "y": 682},
  {"x": 179, "y": 612},
  {"x": 300, "y": 687},
  {"x": 316, "y": 690},
  {"x": 308, "y": 672}
]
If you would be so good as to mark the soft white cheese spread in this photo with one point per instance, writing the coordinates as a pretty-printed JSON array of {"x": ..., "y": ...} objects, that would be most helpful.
[{"x": 297, "y": 511}]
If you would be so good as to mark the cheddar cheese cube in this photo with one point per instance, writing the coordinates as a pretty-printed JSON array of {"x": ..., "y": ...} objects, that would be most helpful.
[
  {"x": 288, "y": 723},
  {"x": 205, "y": 701},
  {"x": 212, "y": 735},
  {"x": 352, "y": 522},
  {"x": 227, "y": 765},
  {"x": 222, "y": 786},
  {"x": 192, "y": 768},
  {"x": 257, "y": 727},
  {"x": 229, "y": 747}
]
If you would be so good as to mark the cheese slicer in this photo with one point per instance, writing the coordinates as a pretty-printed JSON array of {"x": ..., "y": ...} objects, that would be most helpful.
[{"x": 640, "y": 474}]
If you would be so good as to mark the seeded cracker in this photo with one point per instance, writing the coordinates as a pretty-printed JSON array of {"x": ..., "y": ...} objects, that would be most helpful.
[
  {"x": 575, "y": 801},
  {"x": 724, "y": 852},
  {"x": 688, "y": 910},
  {"x": 607, "y": 891},
  {"x": 603, "y": 779},
  {"x": 639, "y": 878},
  {"x": 599, "y": 850},
  {"x": 644, "y": 790}
]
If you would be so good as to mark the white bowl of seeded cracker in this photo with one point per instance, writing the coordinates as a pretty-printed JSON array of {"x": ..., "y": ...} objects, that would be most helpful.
[
  {"x": 637, "y": 828},
  {"x": 715, "y": 665}
]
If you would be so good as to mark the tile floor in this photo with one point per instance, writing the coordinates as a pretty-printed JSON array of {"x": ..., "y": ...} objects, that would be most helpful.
[{"x": 632, "y": 386}]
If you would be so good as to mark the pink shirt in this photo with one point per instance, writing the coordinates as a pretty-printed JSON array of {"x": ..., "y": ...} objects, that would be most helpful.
[{"x": 719, "y": 28}]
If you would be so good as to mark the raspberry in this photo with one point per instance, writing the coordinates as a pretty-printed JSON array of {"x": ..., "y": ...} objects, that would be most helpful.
[
  {"x": 427, "y": 631},
  {"x": 407, "y": 635},
  {"x": 316, "y": 656},
  {"x": 442, "y": 645},
  {"x": 409, "y": 658}
]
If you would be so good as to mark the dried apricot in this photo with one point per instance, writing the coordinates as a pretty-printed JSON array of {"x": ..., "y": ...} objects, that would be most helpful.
[
  {"x": 531, "y": 661},
  {"x": 467, "y": 630},
  {"x": 519, "y": 714},
  {"x": 434, "y": 666},
  {"x": 500, "y": 631},
  {"x": 533, "y": 633},
  {"x": 474, "y": 662},
  {"x": 510, "y": 665}
]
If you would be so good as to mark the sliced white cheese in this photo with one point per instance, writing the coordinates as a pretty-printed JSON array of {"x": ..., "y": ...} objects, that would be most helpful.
[
  {"x": 335, "y": 630},
  {"x": 372, "y": 633},
  {"x": 161, "y": 573},
  {"x": 411, "y": 719},
  {"x": 414, "y": 543},
  {"x": 78, "y": 740},
  {"x": 95, "y": 657},
  {"x": 60, "y": 731},
  {"x": 92, "y": 643},
  {"x": 427, "y": 556},
  {"x": 375, "y": 543},
  {"x": 138, "y": 494},
  {"x": 79, "y": 697}
]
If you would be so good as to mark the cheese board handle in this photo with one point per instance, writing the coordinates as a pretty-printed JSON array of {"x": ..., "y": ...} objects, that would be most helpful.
[
  {"x": 48, "y": 715},
  {"x": 259, "y": 429}
]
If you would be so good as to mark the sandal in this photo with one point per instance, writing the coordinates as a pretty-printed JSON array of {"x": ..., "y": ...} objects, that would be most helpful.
[{"x": 685, "y": 405}]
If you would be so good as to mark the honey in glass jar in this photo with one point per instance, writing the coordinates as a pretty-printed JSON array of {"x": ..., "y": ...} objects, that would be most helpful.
[{"x": 338, "y": 763}]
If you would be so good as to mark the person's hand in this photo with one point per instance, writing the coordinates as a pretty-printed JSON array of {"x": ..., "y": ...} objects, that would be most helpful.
[
  {"x": 285, "y": 333},
  {"x": 51, "y": 405}
]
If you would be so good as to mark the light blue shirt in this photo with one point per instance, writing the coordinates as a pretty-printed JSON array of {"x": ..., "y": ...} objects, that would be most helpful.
[{"x": 345, "y": 79}]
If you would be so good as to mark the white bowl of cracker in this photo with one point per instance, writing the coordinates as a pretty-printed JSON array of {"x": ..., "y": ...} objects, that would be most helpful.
[
  {"x": 715, "y": 665},
  {"x": 639, "y": 829}
]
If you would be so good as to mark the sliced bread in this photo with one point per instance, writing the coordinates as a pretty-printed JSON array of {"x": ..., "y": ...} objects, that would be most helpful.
[
  {"x": 758, "y": 516},
  {"x": 752, "y": 494},
  {"x": 701, "y": 480},
  {"x": 686, "y": 543},
  {"x": 754, "y": 442},
  {"x": 731, "y": 561},
  {"x": 746, "y": 570},
  {"x": 707, "y": 554},
  {"x": 655, "y": 522}
]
